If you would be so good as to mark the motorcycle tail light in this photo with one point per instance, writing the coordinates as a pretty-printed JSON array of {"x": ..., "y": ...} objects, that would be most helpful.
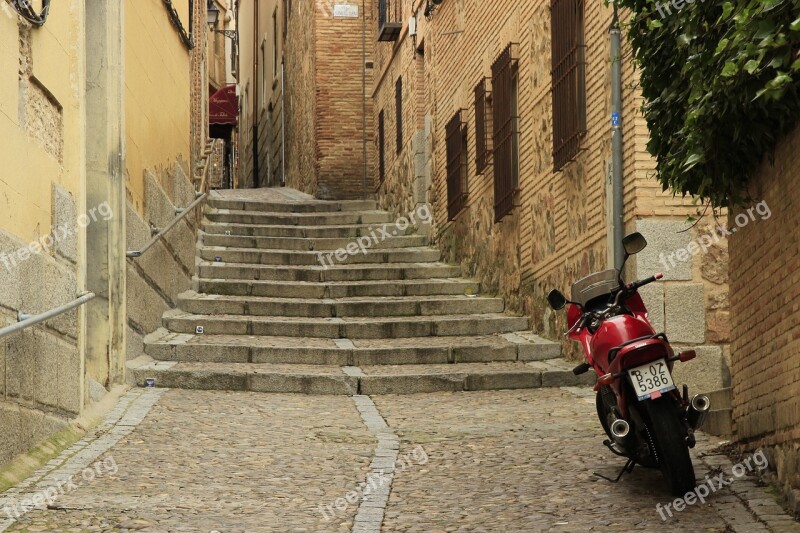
[{"x": 688, "y": 355}]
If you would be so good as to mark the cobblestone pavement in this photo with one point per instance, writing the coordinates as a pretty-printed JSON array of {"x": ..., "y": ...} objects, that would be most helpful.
[{"x": 505, "y": 462}]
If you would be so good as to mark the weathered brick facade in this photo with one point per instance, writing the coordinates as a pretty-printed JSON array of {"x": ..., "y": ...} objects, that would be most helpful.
[
  {"x": 317, "y": 126},
  {"x": 558, "y": 230},
  {"x": 765, "y": 297}
]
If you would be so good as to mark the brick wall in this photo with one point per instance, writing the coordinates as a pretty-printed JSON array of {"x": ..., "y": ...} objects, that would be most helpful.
[
  {"x": 339, "y": 110},
  {"x": 765, "y": 298},
  {"x": 300, "y": 102},
  {"x": 558, "y": 230}
]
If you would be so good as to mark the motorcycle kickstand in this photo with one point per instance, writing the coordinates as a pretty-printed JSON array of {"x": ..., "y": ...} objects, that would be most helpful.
[{"x": 628, "y": 468}]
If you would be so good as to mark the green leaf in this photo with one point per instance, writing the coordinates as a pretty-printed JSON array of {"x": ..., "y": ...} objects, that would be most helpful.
[
  {"x": 721, "y": 47},
  {"x": 751, "y": 66},
  {"x": 730, "y": 69},
  {"x": 692, "y": 161}
]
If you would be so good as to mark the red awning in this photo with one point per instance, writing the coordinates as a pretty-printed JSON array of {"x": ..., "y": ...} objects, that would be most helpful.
[{"x": 223, "y": 106}]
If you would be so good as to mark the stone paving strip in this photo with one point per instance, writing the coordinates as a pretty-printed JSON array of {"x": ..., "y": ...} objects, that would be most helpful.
[{"x": 373, "y": 505}]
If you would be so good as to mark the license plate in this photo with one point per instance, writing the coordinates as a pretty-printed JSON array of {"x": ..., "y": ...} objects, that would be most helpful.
[{"x": 652, "y": 380}]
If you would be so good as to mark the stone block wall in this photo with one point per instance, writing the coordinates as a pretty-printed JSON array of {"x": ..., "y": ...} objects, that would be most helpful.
[
  {"x": 41, "y": 372},
  {"x": 166, "y": 270}
]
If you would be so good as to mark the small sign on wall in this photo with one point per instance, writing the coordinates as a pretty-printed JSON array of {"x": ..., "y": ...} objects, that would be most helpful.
[{"x": 345, "y": 11}]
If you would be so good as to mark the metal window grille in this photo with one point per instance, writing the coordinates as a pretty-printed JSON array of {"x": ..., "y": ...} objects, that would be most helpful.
[
  {"x": 483, "y": 125},
  {"x": 505, "y": 131},
  {"x": 398, "y": 107},
  {"x": 569, "y": 80},
  {"x": 382, "y": 146},
  {"x": 389, "y": 20},
  {"x": 456, "y": 140}
]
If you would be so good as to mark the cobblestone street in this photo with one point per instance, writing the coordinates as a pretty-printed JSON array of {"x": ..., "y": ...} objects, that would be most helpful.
[{"x": 508, "y": 461}]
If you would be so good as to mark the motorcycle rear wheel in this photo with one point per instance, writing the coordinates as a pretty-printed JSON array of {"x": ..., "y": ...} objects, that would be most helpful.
[{"x": 671, "y": 446}]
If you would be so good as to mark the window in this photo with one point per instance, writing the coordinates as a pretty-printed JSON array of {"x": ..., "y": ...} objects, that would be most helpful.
[
  {"x": 389, "y": 25},
  {"x": 398, "y": 109},
  {"x": 456, "y": 135},
  {"x": 505, "y": 126},
  {"x": 275, "y": 43},
  {"x": 381, "y": 146},
  {"x": 285, "y": 18},
  {"x": 569, "y": 80},
  {"x": 483, "y": 125},
  {"x": 264, "y": 72}
]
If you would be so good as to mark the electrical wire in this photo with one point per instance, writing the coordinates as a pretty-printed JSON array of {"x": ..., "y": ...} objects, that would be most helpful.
[{"x": 25, "y": 10}]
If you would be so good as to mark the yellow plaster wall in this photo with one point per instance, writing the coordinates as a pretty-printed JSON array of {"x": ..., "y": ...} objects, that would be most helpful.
[
  {"x": 27, "y": 170},
  {"x": 157, "y": 97}
]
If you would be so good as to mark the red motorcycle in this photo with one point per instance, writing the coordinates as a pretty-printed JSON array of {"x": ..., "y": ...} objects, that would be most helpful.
[{"x": 646, "y": 418}]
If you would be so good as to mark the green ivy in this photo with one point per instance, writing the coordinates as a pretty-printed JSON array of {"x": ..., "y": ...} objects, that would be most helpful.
[{"x": 720, "y": 82}]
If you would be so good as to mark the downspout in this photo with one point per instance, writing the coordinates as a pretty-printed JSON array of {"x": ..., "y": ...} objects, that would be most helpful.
[
  {"x": 255, "y": 94},
  {"x": 364, "y": 91},
  {"x": 283, "y": 123},
  {"x": 617, "y": 191}
]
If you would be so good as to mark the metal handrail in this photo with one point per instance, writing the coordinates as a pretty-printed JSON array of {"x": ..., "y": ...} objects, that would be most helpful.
[
  {"x": 182, "y": 212},
  {"x": 25, "y": 320},
  {"x": 158, "y": 236}
]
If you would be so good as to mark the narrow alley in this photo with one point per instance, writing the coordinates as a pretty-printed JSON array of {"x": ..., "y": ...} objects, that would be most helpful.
[{"x": 510, "y": 461}]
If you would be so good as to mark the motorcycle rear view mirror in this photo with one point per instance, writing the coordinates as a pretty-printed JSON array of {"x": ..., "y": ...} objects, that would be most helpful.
[
  {"x": 634, "y": 243},
  {"x": 556, "y": 300}
]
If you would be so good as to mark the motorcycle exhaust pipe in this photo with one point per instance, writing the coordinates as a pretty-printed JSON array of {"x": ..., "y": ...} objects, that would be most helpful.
[
  {"x": 697, "y": 411},
  {"x": 621, "y": 432},
  {"x": 620, "y": 429}
]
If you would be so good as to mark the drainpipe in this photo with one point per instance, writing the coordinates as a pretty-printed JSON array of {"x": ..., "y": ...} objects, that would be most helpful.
[
  {"x": 364, "y": 91},
  {"x": 255, "y": 94},
  {"x": 283, "y": 123},
  {"x": 617, "y": 191}
]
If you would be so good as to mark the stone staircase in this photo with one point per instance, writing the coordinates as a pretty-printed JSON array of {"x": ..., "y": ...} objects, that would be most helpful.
[{"x": 265, "y": 315}]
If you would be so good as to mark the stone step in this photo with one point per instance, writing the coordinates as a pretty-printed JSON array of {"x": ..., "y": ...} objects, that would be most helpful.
[
  {"x": 298, "y": 219},
  {"x": 719, "y": 422},
  {"x": 345, "y": 328},
  {"x": 339, "y": 289},
  {"x": 300, "y": 243},
  {"x": 357, "y": 272},
  {"x": 213, "y": 304},
  {"x": 521, "y": 346},
  {"x": 349, "y": 380},
  {"x": 342, "y": 231},
  {"x": 720, "y": 399},
  {"x": 301, "y": 258},
  {"x": 292, "y": 207}
]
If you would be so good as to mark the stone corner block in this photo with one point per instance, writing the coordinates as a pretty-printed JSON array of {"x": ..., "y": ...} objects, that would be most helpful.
[
  {"x": 653, "y": 297},
  {"x": 65, "y": 220},
  {"x": 685, "y": 314},
  {"x": 666, "y": 243}
]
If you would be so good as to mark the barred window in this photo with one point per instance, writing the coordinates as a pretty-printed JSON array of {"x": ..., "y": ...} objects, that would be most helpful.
[
  {"x": 456, "y": 135},
  {"x": 505, "y": 85},
  {"x": 389, "y": 20},
  {"x": 398, "y": 109},
  {"x": 483, "y": 125},
  {"x": 381, "y": 146},
  {"x": 569, "y": 80}
]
